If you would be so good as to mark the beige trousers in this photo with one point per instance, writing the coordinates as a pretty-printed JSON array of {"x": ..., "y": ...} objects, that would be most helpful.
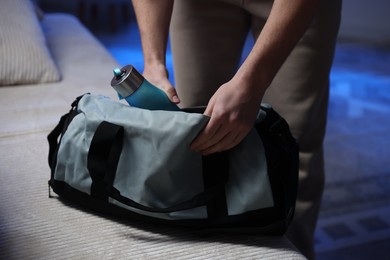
[{"x": 207, "y": 37}]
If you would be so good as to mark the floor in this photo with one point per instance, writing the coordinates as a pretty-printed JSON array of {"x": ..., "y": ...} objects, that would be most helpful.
[{"x": 354, "y": 221}]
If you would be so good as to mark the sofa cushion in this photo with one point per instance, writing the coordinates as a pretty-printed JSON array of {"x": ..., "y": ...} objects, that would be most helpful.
[
  {"x": 85, "y": 66},
  {"x": 25, "y": 58}
]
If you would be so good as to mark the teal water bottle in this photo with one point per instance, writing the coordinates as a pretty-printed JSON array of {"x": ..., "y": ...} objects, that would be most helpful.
[{"x": 139, "y": 92}]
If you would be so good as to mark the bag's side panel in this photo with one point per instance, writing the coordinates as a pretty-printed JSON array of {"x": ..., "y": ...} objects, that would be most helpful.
[
  {"x": 283, "y": 162},
  {"x": 71, "y": 165},
  {"x": 280, "y": 153},
  {"x": 248, "y": 187}
]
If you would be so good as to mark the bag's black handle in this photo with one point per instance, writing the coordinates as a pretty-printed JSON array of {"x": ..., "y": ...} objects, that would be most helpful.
[
  {"x": 53, "y": 138},
  {"x": 59, "y": 130},
  {"x": 103, "y": 157}
]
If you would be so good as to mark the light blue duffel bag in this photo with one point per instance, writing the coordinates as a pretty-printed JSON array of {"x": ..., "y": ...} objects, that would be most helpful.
[{"x": 138, "y": 164}]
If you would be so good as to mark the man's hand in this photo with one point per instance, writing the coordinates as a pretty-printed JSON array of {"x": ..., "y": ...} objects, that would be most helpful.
[
  {"x": 158, "y": 76},
  {"x": 232, "y": 112}
]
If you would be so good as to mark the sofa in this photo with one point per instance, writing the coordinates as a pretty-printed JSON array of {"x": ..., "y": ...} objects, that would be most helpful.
[{"x": 47, "y": 60}]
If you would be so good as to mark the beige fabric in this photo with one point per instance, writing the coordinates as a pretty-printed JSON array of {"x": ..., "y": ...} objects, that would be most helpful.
[
  {"x": 85, "y": 65},
  {"x": 25, "y": 58}
]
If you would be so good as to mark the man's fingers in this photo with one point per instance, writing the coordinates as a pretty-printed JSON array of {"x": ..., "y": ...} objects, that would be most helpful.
[
  {"x": 208, "y": 136},
  {"x": 172, "y": 94},
  {"x": 229, "y": 141},
  {"x": 217, "y": 137}
]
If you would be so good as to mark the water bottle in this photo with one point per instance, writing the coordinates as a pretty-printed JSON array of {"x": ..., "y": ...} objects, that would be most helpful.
[{"x": 138, "y": 92}]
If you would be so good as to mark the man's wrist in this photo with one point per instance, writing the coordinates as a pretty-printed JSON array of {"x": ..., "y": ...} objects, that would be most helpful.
[
  {"x": 156, "y": 70},
  {"x": 254, "y": 82}
]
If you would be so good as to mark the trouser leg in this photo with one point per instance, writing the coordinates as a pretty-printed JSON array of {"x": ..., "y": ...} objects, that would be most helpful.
[
  {"x": 206, "y": 41},
  {"x": 300, "y": 93}
]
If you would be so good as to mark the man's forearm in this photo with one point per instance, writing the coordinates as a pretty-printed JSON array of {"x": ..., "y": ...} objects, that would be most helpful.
[
  {"x": 153, "y": 17},
  {"x": 286, "y": 24}
]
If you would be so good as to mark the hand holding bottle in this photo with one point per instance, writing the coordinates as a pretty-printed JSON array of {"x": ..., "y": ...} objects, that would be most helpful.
[{"x": 139, "y": 92}]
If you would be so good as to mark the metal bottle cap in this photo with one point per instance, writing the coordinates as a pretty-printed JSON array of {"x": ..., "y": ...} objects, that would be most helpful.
[{"x": 126, "y": 80}]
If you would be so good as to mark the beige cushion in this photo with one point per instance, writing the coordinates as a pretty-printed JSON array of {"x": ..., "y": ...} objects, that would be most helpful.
[
  {"x": 85, "y": 66},
  {"x": 25, "y": 58}
]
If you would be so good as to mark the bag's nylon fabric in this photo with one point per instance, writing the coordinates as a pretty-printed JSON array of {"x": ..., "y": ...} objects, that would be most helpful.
[{"x": 157, "y": 168}]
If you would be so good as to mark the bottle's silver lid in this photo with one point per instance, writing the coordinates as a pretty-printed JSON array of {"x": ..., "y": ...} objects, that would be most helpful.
[{"x": 126, "y": 80}]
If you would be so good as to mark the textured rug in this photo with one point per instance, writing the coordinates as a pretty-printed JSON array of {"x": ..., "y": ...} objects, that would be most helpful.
[{"x": 354, "y": 221}]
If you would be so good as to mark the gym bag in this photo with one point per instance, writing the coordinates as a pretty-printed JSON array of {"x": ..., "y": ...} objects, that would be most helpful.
[{"x": 138, "y": 164}]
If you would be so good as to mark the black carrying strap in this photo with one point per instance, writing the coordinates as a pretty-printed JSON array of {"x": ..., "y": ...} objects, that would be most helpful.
[
  {"x": 216, "y": 170},
  {"x": 103, "y": 157},
  {"x": 59, "y": 130},
  {"x": 53, "y": 138}
]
